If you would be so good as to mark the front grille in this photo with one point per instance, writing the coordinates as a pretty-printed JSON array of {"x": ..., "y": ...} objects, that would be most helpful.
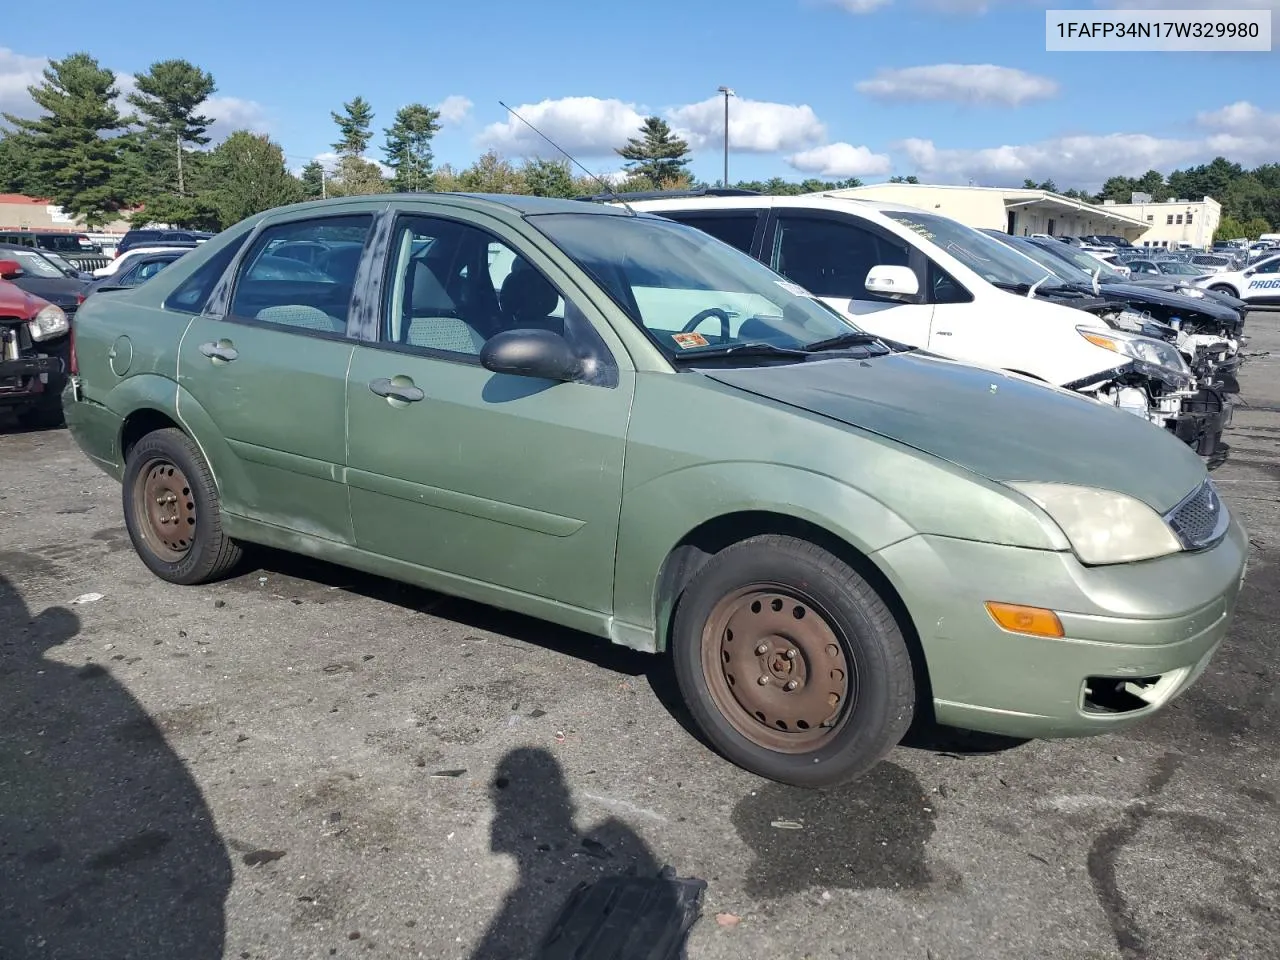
[
  {"x": 87, "y": 263},
  {"x": 1201, "y": 519}
]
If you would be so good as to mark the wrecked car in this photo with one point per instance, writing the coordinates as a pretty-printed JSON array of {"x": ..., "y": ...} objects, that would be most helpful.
[
  {"x": 34, "y": 352},
  {"x": 929, "y": 281},
  {"x": 622, "y": 425}
]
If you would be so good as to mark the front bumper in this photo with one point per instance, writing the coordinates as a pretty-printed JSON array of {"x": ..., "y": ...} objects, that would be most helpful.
[
  {"x": 1158, "y": 622},
  {"x": 27, "y": 378}
]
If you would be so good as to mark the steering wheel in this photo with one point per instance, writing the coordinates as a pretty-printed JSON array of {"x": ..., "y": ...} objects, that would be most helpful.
[{"x": 703, "y": 315}]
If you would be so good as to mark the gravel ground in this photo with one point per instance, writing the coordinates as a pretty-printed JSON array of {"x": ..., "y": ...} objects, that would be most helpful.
[{"x": 305, "y": 762}]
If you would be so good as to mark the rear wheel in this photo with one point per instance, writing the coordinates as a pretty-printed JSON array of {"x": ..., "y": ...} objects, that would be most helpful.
[
  {"x": 171, "y": 510},
  {"x": 791, "y": 664}
]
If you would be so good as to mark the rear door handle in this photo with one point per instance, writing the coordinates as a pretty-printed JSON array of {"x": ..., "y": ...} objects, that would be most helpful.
[
  {"x": 383, "y": 387},
  {"x": 219, "y": 350}
]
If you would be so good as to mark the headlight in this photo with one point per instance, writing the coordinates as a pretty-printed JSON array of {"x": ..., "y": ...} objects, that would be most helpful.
[
  {"x": 1193, "y": 292},
  {"x": 1148, "y": 350},
  {"x": 1102, "y": 525},
  {"x": 49, "y": 322}
]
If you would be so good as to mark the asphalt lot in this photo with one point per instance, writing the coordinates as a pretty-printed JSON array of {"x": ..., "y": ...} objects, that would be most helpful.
[{"x": 304, "y": 762}]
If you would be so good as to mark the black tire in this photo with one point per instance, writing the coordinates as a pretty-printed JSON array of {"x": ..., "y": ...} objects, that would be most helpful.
[
  {"x": 878, "y": 705},
  {"x": 194, "y": 550},
  {"x": 1223, "y": 288}
]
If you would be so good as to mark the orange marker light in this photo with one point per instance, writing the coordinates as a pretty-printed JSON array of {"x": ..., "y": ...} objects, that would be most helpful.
[{"x": 1034, "y": 621}]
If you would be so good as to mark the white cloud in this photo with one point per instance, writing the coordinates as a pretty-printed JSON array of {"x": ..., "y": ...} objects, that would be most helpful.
[
  {"x": 233, "y": 113},
  {"x": 841, "y": 160},
  {"x": 973, "y": 83},
  {"x": 329, "y": 160},
  {"x": 454, "y": 109},
  {"x": 856, "y": 6},
  {"x": 17, "y": 72},
  {"x": 755, "y": 126},
  {"x": 1241, "y": 132},
  {"x": 584, "y": 126}
]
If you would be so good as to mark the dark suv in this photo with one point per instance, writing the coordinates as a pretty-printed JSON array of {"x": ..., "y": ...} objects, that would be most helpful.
[
  {"x": 139, "y": 238},
  {"x": 75, "y": 248}
]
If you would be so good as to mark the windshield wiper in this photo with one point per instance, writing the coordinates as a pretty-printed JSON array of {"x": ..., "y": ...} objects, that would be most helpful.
[
  {"x": 854, "y": 338},
  {"x": 750, "y": 348}
]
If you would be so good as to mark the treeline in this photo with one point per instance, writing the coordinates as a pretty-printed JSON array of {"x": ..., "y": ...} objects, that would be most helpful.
[
  {"x": 1250, "y": 198},
  {"x": 99, "y": 155}
]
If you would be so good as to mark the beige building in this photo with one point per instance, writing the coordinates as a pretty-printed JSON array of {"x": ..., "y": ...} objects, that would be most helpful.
[
  {"x": 1173, "y": 223},
  {"x": 32, "y": 213},
  {"x": 1015, "y": 211}
]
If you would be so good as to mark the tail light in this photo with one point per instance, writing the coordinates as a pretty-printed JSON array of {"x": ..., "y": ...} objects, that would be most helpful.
[{"x": 71, "y": 350}]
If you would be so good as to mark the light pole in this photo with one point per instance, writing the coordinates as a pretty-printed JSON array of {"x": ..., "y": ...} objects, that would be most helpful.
[{"x": 727, "y": 94}]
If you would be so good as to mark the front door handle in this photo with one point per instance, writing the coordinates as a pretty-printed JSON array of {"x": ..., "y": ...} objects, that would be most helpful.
[
  {"x": 221, "y": 350},
  {"x": 943, "y": 333},
  {"x": 407, "y": 392}
]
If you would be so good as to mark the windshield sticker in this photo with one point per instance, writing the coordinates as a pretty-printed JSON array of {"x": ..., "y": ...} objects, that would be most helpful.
[
  {"x": 686, "y": 340},
  {"x": 794, "y": 289}
]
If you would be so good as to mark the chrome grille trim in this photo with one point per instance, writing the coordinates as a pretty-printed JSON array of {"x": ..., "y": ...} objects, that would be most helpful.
[{"x": 1201, "y": 519}]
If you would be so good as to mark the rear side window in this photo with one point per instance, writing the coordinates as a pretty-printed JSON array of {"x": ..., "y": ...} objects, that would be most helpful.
[
  {"x": 193, "y": 293},
  {"x": 736, "y": 229},
  {"x": 831, "y": 258},
  {"x": 313, "y": 295}
]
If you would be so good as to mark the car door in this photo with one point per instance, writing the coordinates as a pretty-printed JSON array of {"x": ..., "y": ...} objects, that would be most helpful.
[
  {"x": 269, "y": 369},
  {"x": 491, "y": 479},
  {"x": 830, "y": 255}
]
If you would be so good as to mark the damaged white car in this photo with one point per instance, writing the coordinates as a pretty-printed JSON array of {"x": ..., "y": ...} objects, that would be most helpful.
[{"x": 928, "y": 281}]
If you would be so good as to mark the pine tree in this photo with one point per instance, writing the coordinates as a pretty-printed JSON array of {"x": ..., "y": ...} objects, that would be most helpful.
[
  {"x": 69, "y": 156},
  {"x": 313, "y": 180},
  {"x": 355, "y": 125},
  {"x": 657, "y": 155},
  {"x": 408, "y": 147},
  {"x": 168, "y": 96}
]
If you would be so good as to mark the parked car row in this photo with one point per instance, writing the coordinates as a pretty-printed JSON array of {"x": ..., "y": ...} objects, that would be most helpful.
[
  {"x": 733, "y": 452},
  {"x": 928, "y": 281}
]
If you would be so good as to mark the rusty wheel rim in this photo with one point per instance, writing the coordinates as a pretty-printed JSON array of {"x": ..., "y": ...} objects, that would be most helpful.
[
  {"x": 165, "y": 504},
  {"x": 776, "y": 668}
]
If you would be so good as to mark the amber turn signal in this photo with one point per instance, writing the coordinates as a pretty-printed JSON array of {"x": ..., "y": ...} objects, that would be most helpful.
[{"x": 1035, "y": 621}]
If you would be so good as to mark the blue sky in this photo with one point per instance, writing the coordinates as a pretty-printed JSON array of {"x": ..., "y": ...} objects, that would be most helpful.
[{"x": 948, "y": 90}]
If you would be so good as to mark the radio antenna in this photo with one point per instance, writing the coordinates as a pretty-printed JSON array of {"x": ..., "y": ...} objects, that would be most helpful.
[{"x": 607, "y": 186}]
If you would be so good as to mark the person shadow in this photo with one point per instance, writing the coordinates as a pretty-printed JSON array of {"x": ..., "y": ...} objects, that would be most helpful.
[
  {"x": 534, "y": 823},
  {"x": 107, "y": 848}
]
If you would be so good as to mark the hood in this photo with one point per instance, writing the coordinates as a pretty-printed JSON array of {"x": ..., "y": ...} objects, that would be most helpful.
[
  {"x": 60, "y": 290},
  {"x": 998, "y": 425},
  {"x": 1135, "y": 293},
  {"x": 16, "y": 302}
]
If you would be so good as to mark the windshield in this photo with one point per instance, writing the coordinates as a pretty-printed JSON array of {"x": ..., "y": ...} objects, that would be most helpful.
[
  {"x": 69, "y": 243},
  {"x": 687, "y": 289},
  {"x": 32, "y": 264},
  {"x": 1088, "y": 264},
  {"x": 988, "y": 258},
  {"x": 58, "y": 261},
  {"x": 1062, "y": 269}
]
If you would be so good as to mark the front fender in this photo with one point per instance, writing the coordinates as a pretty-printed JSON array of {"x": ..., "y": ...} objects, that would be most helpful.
[{"x": 657, "y": 515}]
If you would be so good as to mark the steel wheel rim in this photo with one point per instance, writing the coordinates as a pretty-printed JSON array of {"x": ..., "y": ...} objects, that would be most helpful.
[
  {"x": 776, "y": 668},
  {"x": 166, "y": 509}
]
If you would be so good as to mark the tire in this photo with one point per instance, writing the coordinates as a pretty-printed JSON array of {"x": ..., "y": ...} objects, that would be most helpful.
[
  {"x": 801, "y": 603},
  {"x": 1223, "y": 288},
  {"x": 181, "y": 539}
]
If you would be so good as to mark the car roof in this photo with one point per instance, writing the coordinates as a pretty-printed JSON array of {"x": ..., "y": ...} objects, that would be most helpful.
[
  {"x": 519, "y": 204},
  {"x": 811, "y": 201}
]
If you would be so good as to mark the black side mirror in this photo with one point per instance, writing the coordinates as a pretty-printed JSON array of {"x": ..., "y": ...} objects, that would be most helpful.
[{"x": 531, "y": 353}]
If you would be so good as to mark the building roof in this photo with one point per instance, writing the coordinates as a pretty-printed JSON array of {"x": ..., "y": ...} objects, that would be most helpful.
[
  {"x": 1012, "y": 196},
  {"x": 19, "y": 198}
]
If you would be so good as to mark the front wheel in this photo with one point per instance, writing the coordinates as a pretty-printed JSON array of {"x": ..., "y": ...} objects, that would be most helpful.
[
  {"x": 1223, "y": 288},
  {"x": 791, "y": 664},
  {"x": 171, "y": 510}
]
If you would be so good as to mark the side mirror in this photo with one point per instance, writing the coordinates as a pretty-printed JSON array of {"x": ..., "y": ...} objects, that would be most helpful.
[
  {"x": 10, "y": 269},
  {"x": 897, "y": 282},
  {"x": 531, "y": 353}
]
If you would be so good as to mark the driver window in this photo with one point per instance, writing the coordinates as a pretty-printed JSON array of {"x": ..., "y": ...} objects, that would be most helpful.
[
  {"x": 1271, "y": 266},
  {"x": 453, "y": 286},
  {"x": 831, "y": 258}
]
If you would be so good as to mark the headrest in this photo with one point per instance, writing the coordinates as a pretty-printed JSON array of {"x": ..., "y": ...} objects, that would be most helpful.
[{"x": 527, "y": 294}]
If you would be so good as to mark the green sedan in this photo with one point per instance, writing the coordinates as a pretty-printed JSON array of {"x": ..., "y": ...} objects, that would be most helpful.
[{"x": 622, "y": 425}]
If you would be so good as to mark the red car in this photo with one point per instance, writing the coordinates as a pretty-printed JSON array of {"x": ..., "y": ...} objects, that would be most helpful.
[{"x": 35, "y": 353}]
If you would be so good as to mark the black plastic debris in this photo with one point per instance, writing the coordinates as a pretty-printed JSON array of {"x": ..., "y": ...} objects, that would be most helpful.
[{"x": 627, "y": 918}]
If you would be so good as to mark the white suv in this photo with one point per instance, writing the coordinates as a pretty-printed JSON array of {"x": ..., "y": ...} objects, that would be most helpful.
[
  {"x": 928, "y": 281},
  {"x": 1256, "y": 285}
]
